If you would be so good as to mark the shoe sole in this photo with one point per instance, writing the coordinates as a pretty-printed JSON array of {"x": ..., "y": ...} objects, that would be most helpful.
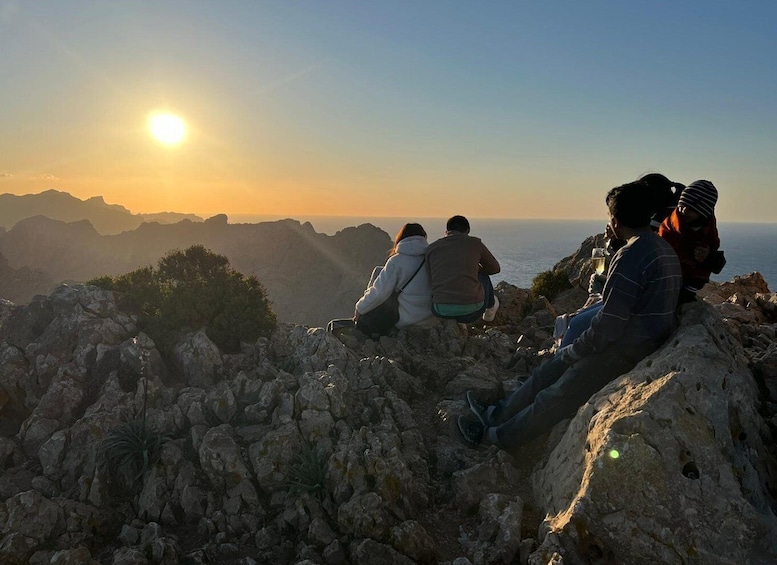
[
  {"x": 464, "y": 437},
  {"x": 473, "y": 408}
]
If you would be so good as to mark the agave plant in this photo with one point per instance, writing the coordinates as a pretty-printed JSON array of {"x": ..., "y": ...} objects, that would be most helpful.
[
  {"x": 309, "y": 472},
  {"x": 131, "y": 449}
]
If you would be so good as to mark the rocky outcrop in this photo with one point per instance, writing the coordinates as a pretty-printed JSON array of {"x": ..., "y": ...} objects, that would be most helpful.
[
  {"x": 668, "y": 463},
  {"x": 310, "y": 277},
  {"x": 578, "y": 265},
  {"x": 306, "y": 449}
]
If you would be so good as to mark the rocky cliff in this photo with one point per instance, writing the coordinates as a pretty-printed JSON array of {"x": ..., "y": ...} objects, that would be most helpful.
[
  {"x": 310, "y": 277},
  {"x": 307, "y": 449}
]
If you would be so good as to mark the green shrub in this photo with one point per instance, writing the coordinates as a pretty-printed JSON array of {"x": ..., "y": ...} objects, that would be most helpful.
[
  {"x": 139, "y": 291},
  {"x": 190, "y": 290},
  {"x": 105, "y": 282},
  {"x": 550, "y": 283}
]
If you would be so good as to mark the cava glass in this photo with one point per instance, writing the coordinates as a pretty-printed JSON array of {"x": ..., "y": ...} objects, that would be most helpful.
[{"x": 597, "y": 259}]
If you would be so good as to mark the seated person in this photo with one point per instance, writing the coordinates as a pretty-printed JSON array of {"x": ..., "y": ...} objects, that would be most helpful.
[
  {"x": 664, "y": 196},
  {"x": 403, "y": 270},
  {"x": 692, "y": 231},
  {"x": 459, "y": 265},
  {"x": 637, "y": 315}
]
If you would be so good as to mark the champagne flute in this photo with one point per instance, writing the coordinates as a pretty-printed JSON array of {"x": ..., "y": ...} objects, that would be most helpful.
[{"x": 598, "y": 255}]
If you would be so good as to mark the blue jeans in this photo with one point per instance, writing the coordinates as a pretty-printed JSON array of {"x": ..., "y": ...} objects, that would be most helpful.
[
  {"x": 580, "y": 322},
  {"x": 488, "y": 301},
  {"x": 556, "y": 390}
]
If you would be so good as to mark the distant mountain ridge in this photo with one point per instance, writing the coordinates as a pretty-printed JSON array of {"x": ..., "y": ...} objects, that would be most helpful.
[
  {"x": 106, "y": 218},
  {"x": 310, "y": 277}
]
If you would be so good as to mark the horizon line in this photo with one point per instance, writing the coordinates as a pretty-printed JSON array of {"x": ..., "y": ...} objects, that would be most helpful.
[{"x": 276, "y": 216}]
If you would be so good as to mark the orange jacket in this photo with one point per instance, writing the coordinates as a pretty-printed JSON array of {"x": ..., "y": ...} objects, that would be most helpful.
[{"x": 684, "y": 239}]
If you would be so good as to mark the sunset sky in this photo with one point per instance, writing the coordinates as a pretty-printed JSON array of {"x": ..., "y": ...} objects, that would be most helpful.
[{"x": 418, "y": 108}]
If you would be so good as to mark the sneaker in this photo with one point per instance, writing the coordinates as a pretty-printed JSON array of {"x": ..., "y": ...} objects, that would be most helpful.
[
  {"x": 488, "y": 315},
  {"x": 477, "y": 409},
  {"x": 471, "y": 431}
]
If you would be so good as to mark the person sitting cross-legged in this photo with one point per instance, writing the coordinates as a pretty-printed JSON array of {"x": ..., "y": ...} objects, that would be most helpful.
[{"x": 637, "y": 315}]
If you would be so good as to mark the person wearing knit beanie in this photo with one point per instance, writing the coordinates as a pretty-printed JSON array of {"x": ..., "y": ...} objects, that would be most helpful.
[
  {"x": 692, "y": 232},
  {"x": 701, "y": 197}
]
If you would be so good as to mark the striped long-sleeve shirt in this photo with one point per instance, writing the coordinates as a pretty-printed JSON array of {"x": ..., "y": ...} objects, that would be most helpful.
[{"x": 640, "y": 298}]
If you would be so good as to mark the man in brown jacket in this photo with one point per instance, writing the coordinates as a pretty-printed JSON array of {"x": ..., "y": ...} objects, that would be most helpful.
[{"x": 459, "y": 267}]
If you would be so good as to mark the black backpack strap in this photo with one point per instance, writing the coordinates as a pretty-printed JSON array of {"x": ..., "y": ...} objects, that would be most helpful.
[{"x": 414, "y": 274}]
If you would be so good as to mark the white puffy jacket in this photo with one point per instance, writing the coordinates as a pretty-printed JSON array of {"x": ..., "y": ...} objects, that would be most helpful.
[{"x": 415, "y": 301}]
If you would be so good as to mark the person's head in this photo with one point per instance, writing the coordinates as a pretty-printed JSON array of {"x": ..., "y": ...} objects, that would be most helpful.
[
  {"x": 697, "y": 201},
  {"x": 458, "y": 223},
  {"x": 630, "y": 207},
  {"x": 665, "y": 194},
  {"x": 659, "y": 184},
  {"x": 405, "y": 231}
]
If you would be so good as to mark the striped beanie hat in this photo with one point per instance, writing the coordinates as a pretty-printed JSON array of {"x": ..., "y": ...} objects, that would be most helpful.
[{"x": 700, "y": 196}]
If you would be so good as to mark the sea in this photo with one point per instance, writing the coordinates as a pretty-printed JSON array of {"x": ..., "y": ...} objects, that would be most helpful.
[{"x": 525, "y": 248}]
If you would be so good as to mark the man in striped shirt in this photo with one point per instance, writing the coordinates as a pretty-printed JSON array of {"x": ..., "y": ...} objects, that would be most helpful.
[{"x": 640, "y": 300}]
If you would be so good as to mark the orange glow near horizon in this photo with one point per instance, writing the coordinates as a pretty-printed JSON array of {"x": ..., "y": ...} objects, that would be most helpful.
[{"x": 285, "y": 199}]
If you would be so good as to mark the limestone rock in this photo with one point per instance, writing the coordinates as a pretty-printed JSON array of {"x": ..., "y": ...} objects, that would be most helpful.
[
  {"x": 221, "y": 403},
  {"x": 304, "y": 349},
  {"x": 79, "y": 556},
  {"x": 129, "y": 556},
  {"x": 303, "y": 448},
  {"x": 221, "y": 459},
  {"x": 365, "y": 515},
  {"x": 272, "y": 457},
  {"x": 16, "y": 548},
  {"x": 33, "y": 516},
  {"x": 411, "y": 539},
  {"x": 745, "y": 286},
  {"x": 666, "y": 453},
  {"x": 495, "y": 475},
  {"x": 198, "y": 359},
  {"x": 370, "y": 551},
  {"x": 765, "y": 369},
  {"x": 498, "y": 536}
]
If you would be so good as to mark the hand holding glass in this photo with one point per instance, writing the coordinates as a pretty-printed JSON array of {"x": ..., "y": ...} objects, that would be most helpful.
[{"x": 597, "y": 259}]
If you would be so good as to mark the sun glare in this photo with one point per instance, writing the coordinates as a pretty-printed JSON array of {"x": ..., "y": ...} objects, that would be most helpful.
[{"x": 167, "y": 128}]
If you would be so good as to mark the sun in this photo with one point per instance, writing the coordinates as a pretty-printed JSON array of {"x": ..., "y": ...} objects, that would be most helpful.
[{"x": 167, "y": 128}]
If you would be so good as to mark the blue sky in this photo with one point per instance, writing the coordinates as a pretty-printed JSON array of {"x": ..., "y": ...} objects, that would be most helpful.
[{"x": 416, "y": 109}]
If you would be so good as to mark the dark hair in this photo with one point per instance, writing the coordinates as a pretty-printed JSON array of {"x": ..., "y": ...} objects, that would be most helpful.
[
  {"x": 631, "y": 204},
  {"x": 407, "y": 230},
  {"x": 458, "y": 223},
  {"x": 665, "y": 193}
]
